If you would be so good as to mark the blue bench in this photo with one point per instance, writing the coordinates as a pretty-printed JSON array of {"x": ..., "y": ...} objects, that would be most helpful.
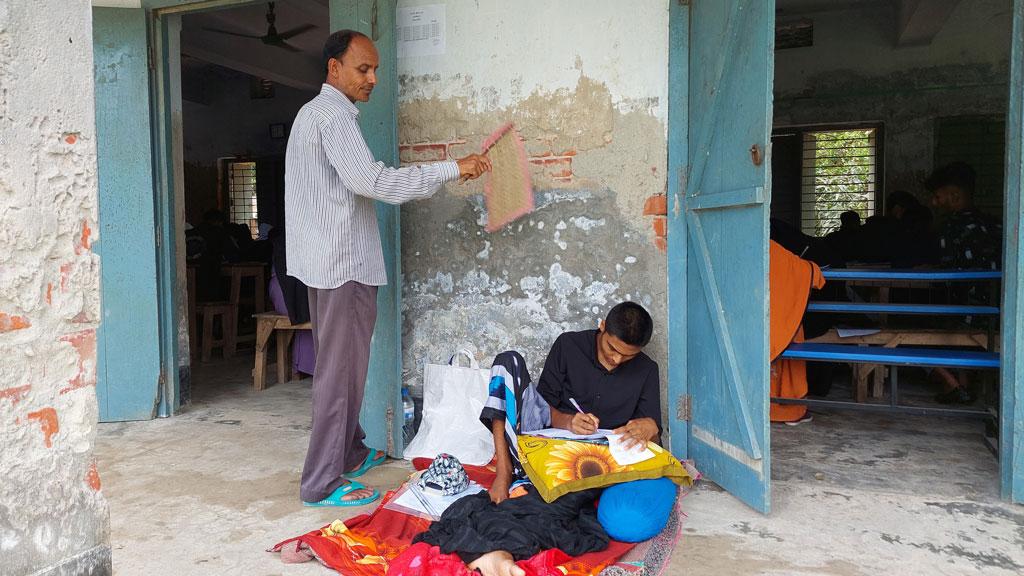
[
  {"x": 911, "y": 275},
  {"x": 891, "y": 356},
  {"x": 887, "y": 308}
]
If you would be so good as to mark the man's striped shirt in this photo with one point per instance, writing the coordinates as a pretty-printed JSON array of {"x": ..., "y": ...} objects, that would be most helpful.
[{"x": 331, "y": 182}]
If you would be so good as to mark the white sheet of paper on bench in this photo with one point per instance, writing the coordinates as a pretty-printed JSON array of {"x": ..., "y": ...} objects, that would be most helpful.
[
  {"x": 411, "y": 499},
  {"x": 853, "y": 332},
  {"x": 626, "y": 457},
  {"x": 567, "y": 435}
]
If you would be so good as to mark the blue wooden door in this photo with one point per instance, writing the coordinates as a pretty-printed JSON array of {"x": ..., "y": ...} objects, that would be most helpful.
[
  {"x": 1011, "y": 448},
  {"x": 128, "y": 344},
  {"x": 725, "y": 207},
  {"x": 379, "y": 121}
]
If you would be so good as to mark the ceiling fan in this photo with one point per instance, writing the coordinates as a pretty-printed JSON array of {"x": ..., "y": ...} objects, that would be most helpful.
[{"x": 272, "y": 37}]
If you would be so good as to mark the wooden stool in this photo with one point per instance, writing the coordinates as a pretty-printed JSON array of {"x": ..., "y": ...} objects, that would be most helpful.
[
  {"x": 227, "y": 313},
  {"x": 266, "y": 324}
]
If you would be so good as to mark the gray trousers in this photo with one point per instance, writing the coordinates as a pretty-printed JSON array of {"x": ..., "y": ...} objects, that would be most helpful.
[{"x": 343, "y": 320}]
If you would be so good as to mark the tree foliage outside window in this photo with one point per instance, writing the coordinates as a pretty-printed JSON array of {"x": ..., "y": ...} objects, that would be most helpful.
[{"x": 839, "y": 174}]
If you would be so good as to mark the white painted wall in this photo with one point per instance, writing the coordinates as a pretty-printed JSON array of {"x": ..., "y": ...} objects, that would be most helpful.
[
  {"x": 499, "y": 52},
  {"x": 54, "y": 516},
  {"x": 863, "y": 41},
  {"x": 586, "y": 83}
]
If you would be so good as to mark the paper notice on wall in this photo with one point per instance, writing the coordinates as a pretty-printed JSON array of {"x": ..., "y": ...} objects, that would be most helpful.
[{"x": 421, "y": 31}]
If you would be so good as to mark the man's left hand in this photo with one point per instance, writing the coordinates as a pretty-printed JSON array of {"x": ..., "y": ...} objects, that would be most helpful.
[{"x": 637, "y": 432}]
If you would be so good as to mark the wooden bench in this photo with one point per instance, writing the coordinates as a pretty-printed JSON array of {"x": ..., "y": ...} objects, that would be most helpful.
[
  {"x": 266, "y": 324},
  {"x": 892, "y": 356},
  {"x": 891, "y": 308},
  {"x": 891, "y": 338},
  {"x": 898, "y": 348}
]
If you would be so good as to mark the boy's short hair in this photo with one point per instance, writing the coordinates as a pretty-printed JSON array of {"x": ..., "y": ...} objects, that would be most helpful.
[
  {"x": 630, "y": 323},
  {"x": 959, "y": 174}
]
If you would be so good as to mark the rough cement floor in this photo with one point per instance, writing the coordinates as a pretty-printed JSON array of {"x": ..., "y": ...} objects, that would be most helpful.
[{"x": 207, "y": 491}]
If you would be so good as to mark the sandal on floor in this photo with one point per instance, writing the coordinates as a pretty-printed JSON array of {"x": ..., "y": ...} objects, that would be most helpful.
[
  {"x": 337, "y": 498},
  {"x": 374, "y": 458}
]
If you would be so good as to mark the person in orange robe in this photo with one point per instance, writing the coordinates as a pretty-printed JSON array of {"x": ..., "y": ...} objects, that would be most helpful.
[{"x": 790, "y": 279}]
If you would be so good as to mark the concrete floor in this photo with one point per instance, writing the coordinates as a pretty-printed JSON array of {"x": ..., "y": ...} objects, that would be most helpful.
[{"x": 207, "y": 491}]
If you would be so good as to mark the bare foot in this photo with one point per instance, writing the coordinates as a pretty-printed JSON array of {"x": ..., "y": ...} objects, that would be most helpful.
[{"x": 497, "y": 563}]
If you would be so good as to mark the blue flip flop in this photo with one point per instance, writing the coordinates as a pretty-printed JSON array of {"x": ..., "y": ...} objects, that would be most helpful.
[
  {"x": 374, "y": 458},
  {"x": 337, "y": 498}
]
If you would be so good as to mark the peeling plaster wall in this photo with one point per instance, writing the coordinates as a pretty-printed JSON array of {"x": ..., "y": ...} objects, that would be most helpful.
[
  {"x": 53, "y": 517},
  {"x": 586, "y": 85},
  {"x": 855, "y": 73}
]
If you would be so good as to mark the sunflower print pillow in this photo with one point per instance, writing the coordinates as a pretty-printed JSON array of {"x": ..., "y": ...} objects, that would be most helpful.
[{"x": 557, "y": 467}]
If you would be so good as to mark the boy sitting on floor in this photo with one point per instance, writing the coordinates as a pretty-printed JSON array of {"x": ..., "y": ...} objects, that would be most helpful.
[
  {"x": 604, "y": 371},
  {"x": 591, "y": 379}
]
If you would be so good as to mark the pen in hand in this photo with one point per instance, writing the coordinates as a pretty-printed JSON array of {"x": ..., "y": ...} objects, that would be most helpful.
[{"x": 576, "y": 405}]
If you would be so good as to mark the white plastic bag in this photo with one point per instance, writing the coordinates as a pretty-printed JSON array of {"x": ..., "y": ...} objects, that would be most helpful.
[{"x": 453, "y": 397}]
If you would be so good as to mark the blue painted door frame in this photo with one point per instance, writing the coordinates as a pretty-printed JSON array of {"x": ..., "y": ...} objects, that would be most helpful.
[
  {"x": 128, "y": 358},
  {"x": 718, "y": 238},
  {"x": 1011, "y": 448},
  {"x": 379, "y": 121}
]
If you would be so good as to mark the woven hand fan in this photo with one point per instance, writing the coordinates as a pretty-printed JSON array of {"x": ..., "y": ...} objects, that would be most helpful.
[{"x": 508, "y": 192}]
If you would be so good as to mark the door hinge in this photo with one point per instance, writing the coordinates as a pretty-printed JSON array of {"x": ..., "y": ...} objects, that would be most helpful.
[
  {"x": 150, "y": 64},
  {"x": 684, "y": 408}
]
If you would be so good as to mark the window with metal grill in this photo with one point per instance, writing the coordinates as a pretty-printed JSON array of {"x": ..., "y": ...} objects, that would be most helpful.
[
  {"x": 839, "y": 172},
  {"x": 242, "y": 195}
]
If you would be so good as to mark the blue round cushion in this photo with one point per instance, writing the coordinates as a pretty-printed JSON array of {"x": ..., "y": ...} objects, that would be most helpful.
[{"x": 636, "y": 511}]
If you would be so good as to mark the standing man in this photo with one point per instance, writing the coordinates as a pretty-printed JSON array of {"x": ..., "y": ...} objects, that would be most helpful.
[{"x": 333, "y": 246}]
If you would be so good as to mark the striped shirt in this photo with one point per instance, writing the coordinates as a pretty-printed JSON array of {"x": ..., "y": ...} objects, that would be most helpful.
[{"x": 330, "y": 184}]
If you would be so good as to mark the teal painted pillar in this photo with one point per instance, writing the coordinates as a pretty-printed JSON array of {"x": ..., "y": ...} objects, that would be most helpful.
[
  {"x": 128, "y": 347},
  {"x": 1011, "y": 446},
  {"x": 379, "y": 120},
  {"x": 678, "y": 126}
]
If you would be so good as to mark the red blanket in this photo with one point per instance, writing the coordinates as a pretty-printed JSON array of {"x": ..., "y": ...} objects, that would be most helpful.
[{"x": 379, "y": 543}]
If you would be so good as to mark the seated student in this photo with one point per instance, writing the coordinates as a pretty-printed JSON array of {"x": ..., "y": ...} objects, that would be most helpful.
[
  {"x": 604, "y": 371},
  {"x": 968, "y": 239},
  {"x": 616, "y": 386},
  {"x": 846, "y": 241}
]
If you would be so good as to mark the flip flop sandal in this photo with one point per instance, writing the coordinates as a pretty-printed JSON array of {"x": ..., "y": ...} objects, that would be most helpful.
[
  {"x": 374, "y": 458},
  {"x": 337, "y": 497}
]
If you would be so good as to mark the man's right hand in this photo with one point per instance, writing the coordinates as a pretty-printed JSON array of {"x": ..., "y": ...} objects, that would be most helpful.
[
  {"x": 584, "y": 424},
  {"x": 473, "y": 166}
]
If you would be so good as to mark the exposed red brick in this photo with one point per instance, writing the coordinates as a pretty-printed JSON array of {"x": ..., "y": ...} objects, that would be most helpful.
[
  {"x": 554, "y": 167},
  {"x": 47, "y": 418},
  {"x": 10, "y": 323},
  {"x": 84, "y": 343},
  {"x": 71, "y": 138},
  {"x": 411, "y": 153},
  {"x": 93, "y": 477},
  {"x": 661, "y": 243},
  {"x": 49, "y": 293},
  {"x": 16, "y": 393},
  {"x": 660, "y": 226},
  {"x": 83, "y": 243},
  {"x": 656, "y": 205}
]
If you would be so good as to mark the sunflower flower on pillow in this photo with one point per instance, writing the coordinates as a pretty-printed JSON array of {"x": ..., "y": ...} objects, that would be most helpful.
[{"x": 558, "y": 466}]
